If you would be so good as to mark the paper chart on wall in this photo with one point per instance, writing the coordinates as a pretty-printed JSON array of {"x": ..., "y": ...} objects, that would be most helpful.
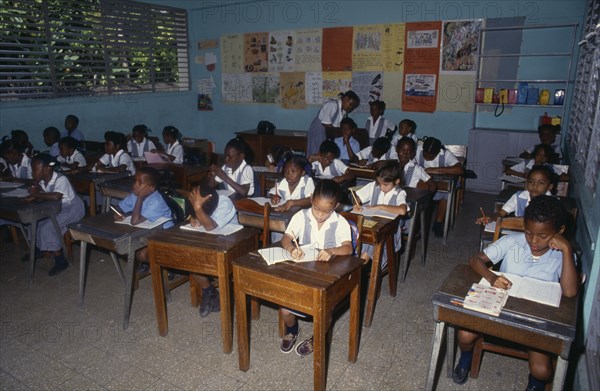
[
  {"x": 392, "y": 93},
  {"x": 392, "y": 49},
  {"x": 369, "y": 87},
  {"x": 456, "y": 92},
  {"x": 236, "y": 87},
  {"x": 314, "y": 88},
  {"x": 292, "y": 90},
  {"x": 265, "y": 88},
  {"x": 422, "y": 39},
  {"x": 281, "y": 51},
  {"x": 307, "y": 51},
  {"x": 337, "y": 49},
  {"x": 419, "y": 85},
  {"x": 367, "y": 48},
  {"x": 232, "y": 49},
  {"x": 460, "y": 44},
  {"x": 334, "y": 83},
  {"x": 256, "y": 52}
]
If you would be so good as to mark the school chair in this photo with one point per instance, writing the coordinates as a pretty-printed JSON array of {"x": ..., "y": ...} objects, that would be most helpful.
[
  {"x": 508, "y": 223},
  {"x": 250, "y": 206},
  {"x": 460, "y": 151}
]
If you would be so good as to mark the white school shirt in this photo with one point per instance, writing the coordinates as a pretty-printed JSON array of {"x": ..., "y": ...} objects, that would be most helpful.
[
  {"x": 61, "y": 185},
  {"x": 366, "y": 153},
  {"x": 119, "y": 159},
  {"x": 296, "y": 229},
  {"x": 418, "y": 174},
  {"x": 449, "y": 158},
  {"x": 176, "y": 150},
  {"x": 394, "y": 197},
  {"x": 283, "y": 189},
  {"x": 339, "y": 168},
  {"x": 141, "y": 146},
  {"x": 243, "y": 175},
  {"x": 23, "y": 169},
  {"x": 511, "y": 205},
  {"x": 327, "y": 112},
  {"x": 398, "y": 136},
  {"x": 387, "y": 125},
  {"x": 76, "y": 157}
]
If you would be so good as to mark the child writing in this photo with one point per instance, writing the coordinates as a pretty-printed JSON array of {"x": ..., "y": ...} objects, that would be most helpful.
[
  {"x": 115, "y": 159},
  {"x": 346, "y": 143},
  {"x": 435, "y": 159},
  {"x": 547, "y": 134},
  {"x": 327, "y": 164},
  {"x": 540, "y": 181},
  {"x": 174, "y": 150},
  {"x": 50, "y": 185},
  {"x": 211, "y": 211},
  {"x": 379, "y": 152},
  {"x": 69, "y": 156},
  {"x": 540, "y": 252},
  {"x": 376, "y": 125},
  {"x": 139, "y": 142},
  {"x": 383, "y": 194},
  {"x": 19, "y": 164},
  {"x": 296, "y": 187},
  {"x": 51, "y": 138},
  {"x": 413, "y": 175},
  {"x": 322, "y": 227},
  {"x": 236, "y": 175}
]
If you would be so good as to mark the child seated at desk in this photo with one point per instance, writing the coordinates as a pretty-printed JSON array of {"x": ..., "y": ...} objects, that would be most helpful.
[
  {"x": 322, "y": 227},
  {"x": 211, "y": 211},
  {"x": 547, "y": 134},
  {"x": 387, "y": 195},
  {"x": 139, "y": 142},
  {"x": 21, "y": 141},
  {"x": 51, "y": 138},
  {"x": 436, "y": 159},
  {"x": 379, "y": 152},
  {"x": 541, "y": 252},
  {"x": 346, "y": 143},
  {"x": 69, "y": 156},
  {"x": 327, "y": 164},
  {"x": 236, "y": 175},
  {"x": 376, "y": 125},
  {"x": 542, "y": 155},
  {"x": 174, "y": 150},
  {"x": 19, "y": 164},
  {"x": 50, "y": 185},
  {"x": 115, "y": 158},
  {"x": 407, "y": 128},
  {"x": 413, "y": 175},
  {"x": 279, "y": 155},
  {"x": 296, "y": 187},
  {"x": 72, "y": 129}
]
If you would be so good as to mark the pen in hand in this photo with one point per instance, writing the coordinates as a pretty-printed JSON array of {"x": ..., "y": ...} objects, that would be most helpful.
[{"x": 117, "y": 212}]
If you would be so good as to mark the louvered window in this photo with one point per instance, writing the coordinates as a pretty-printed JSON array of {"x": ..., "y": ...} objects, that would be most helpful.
[{"x": 59, "y": 48}]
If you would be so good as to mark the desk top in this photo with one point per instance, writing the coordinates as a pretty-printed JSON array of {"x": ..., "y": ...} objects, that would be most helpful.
[
  {"x": 120, "y": 184},
  {"x": 462, "y": 277},
  {"x": 315, "y": 274},
  {"x": 278, "y": 133},
  {"x": 98, "y": 177},
  {"x": 216, "y": 243},
  {"x": 19, "y": 209},
  {"x": 103, "y": 226}
]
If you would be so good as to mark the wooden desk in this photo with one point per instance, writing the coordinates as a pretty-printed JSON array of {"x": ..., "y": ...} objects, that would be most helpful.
[
  {"x": 447, "y": 183},
  {"x": 30, "y": 212},
  {"x": 86, "y": 182},
  {"x": 266, "y": 179},
  {"x": 185, "y": 175},
  {"x": 525, "y": 322},
  {"x": 122, "y": 239},
  {"x": 201, "y": 253},
  {"x": 262, "y": 144},
  {"x": 278, "y": 221},
  {"x": 313, "y": 288},
  {"x": 118, "y": 188},
  {"x": 419, "y": 201},
  {"x": 363, "y": 172}
]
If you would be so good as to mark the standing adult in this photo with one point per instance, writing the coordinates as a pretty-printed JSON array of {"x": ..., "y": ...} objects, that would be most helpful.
[{"x": 326, "y": 124}]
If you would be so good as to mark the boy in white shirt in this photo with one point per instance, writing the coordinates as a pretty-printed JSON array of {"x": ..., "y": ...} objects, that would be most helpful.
[
  {"x": 327, "y": 165},
  {"x": 236, "y": 175},
  {"x": 69, "y": 155},
  {"x": 115, "y": 159}
]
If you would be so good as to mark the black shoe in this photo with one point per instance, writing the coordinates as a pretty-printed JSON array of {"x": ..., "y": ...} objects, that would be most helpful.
[
  {"x": 288, "y": 341},
  {"x": 210, "y": 301},
  {"x": 460, "y": 375},
  {"x": 58, "y": 268},
  {"x": 438, "y": 229},
  {"x": 535, "y": 385},
  {"x": 143, "y": 268}
]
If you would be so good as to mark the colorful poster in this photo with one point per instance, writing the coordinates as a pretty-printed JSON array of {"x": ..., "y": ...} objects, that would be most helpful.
[
  {"x": 265, "y": 88},
  {"x": 337, "y": 49},
  {"x": 335, "y": 83},
  {"x": 456, "y": 92},
  {"x": 369, "y": 87},
  {"x": 281, "y": 51},
  {"x": 232, "y": 53},
  {"x": 292, "y": 90},
  {"x": 421, "y": 66},
  {"x": 236, "y": 87},
  {"x": 256, "y": 52},
  {"x": 392, "y": 94},
  {"x": 392, "y": 50},
  {"x": 308, "y": 50},
  {"x": 314, "y": 88},
  {"x": 367, "y": 48},
  {"x": 460, "y": 45}
]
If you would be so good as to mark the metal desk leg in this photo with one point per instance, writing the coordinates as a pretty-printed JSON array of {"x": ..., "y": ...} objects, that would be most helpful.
[
  {"x": 118, "y": 266},
  {"x": 82, "y": 270},
  {"x": 448, "y": 207},
  {"x": 409, "y": 243},
  {"x": 435, "y": 352},
  {"x": 560, "y": 373},
  {"x": 450, "y": 351},
  {"x": 424, "y": 233},
  {"x": 32, "y": 250},
  {"x": 128, "y": 288}
]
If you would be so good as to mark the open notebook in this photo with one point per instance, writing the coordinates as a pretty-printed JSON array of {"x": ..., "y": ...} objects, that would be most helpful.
[
  {"x": 367, "y": 212},
  {"x": 543, "y": 292},
  {"x": 227, "y": 229},
  {"x": 273, "y": 255}
]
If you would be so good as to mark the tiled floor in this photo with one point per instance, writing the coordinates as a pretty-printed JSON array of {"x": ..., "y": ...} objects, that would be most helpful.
[{"x": 49, "y": 342}]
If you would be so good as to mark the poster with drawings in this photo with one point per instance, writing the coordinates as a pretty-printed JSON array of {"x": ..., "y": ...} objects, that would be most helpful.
[
  {"x": 265, "y": 88},
  {"x": 236, "y": 87},
  {"x": 367, "y": 48},
  {"x": 281, "y": 51},
  {"x": 460, "y": 45},
  {"x": 419, "y": 85},
  {"x": 256, "y": 52},
  {"x": 307, "y": 50},
  {"x": 232, "y": 49},
  {"x": 369, "y": 87},
  {"x": 335, "y": 83},
  {"x": 314, "y": 88},
  {"x": 292, "y": 90},
  {"x": 417, "y": 39}
]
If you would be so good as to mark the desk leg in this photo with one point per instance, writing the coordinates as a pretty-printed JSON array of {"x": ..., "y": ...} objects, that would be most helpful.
[
  {"x": 159, "y": 295},
  {"x": 450, "y": 353},
  {"x": 392, "y": 265},
  {"x": 447, "y": 218},
  {"x": 354, "y": 320},
  {"x": 92, "y": 199},
  {"x": 115, "y": 260},
  {"x": 129, "y": 288},
  {"x": 32, "y": 249},
  {"x": 424, "y": 234},
  {"x": 82, "y": 269},
  {"x": 373, "y": 284},
  {"x": 241, "y": 318},
  {"x": 435, "y": 352},
  {"x": 320, "y": 342},
  {"x": 560, "y": 373},
  {"x": 409, "y": 243},
  {"x": 224, "y": 270}
]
